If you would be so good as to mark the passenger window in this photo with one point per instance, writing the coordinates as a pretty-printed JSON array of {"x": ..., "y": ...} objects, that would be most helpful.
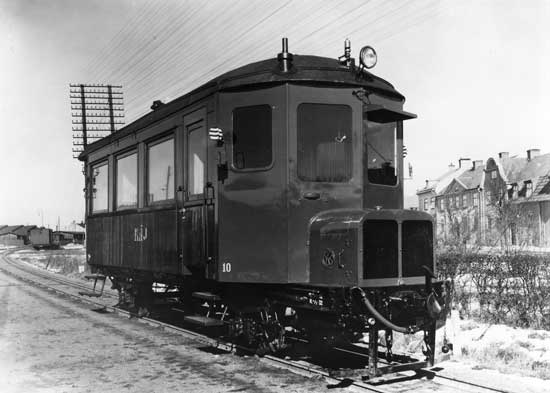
[
  {"x": 324, "y": 143},
  {"x": 126, "y": 181},
  {"x": 100, "y": 188},
  {"x": 196, "y": 159},
  {"x": 252, "y": 137},
  {"x": 160, "y": 171}
]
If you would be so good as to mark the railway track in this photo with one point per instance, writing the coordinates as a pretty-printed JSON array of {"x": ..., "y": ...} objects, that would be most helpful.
[{"x": 424, "y": 381}]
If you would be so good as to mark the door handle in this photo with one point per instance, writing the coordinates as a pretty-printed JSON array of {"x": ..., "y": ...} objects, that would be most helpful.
[{"x": 311, "y": 195}]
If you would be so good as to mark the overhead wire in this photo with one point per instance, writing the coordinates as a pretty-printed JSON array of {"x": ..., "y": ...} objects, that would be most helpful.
[
  {"x": 193, "y": 80},
  {"x": 146, "y": 51},
  {"x": 148, "y": 74},
  {"x": 194, "y": 52},
  {"x": 118, "y": 51},
  {"x": 121, "y": 32}
]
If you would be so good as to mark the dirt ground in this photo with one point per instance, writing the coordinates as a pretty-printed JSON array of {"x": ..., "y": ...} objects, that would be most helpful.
[{"x": 53, "y": 344}]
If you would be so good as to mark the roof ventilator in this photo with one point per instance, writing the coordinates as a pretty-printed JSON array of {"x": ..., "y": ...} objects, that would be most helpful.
[{"x": 157, "y": 104}]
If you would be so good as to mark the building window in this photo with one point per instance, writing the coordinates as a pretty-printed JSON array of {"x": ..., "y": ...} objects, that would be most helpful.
[
  {"x": 442, "y": 202},
  {"x": 100, "y": 187},
  {"x": 476, "y": 199},
  {"x": 325, "y": 143},
  {"x": 457, "y": 201},
  {"x": 488, "y": 197},
  {"x": 432, "y": 203},
  {"x": 160, "y": 171},
  {"x": 464, "y": 200},
  {"x": 425, "y": 204},
  {"x": 528, "y": 189},
  {"x": 493, "y": 174},
  {"x": 252, "y": 138},
  {"x": 196, "y": 159},
  {"x": 515, "y": 190},
  {"x": 126, "y": 181}
]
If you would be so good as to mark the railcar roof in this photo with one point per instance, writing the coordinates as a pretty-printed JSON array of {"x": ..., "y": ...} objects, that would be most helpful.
[{"x": 309, "y": 70}]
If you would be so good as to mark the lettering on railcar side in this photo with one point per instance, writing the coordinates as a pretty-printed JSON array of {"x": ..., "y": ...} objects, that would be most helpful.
[{"x": 140, "y": 233}]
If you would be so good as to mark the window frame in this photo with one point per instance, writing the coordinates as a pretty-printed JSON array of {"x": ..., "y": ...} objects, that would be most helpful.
[
  {"x": 119, "y": 156},
  {"x": 398, "y": 138},
  {"x": 199, "y": 124},
  {"x": 528, "y": 188},
  {"x": 148, "y": 144},
  {"x": 258, "y": 169},
  {"x": 99, "y": 163},
  {"x": 352, "y": 174}
]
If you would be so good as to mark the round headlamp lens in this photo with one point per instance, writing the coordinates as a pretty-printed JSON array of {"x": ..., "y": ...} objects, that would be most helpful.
[{"x": 368, "y": 57}]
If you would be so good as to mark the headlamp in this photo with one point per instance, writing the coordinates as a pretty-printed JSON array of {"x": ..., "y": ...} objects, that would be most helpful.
[{"x": 367, "y": 57}]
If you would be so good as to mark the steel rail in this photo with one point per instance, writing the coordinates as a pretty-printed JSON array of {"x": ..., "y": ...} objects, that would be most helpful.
[{"x": 293, "y": 366}]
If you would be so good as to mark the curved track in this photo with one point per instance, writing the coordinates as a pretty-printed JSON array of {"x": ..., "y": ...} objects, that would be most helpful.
[{"x": 426, "y": 381}]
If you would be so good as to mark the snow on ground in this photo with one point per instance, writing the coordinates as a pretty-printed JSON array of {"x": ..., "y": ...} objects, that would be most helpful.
[
  {"x": 4, "y": 247},
  {"x": 70, "y": 262},
  {"x": 73, "y": 246}
]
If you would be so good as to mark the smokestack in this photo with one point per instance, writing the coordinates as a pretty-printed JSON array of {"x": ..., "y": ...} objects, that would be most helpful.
[
  {"x": 478, "y": 164},
  {"x": 462, "y": 162},
  {"x": 503, "y": 154},
  {"x": 532, "y": 153}
]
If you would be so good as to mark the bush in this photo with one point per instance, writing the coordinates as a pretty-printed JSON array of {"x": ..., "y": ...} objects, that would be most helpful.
[{"x": 511, "y": 288}]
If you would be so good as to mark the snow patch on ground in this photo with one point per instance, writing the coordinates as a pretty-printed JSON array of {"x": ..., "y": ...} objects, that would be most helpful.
[
  {"x": 73, "y": 246},
  {"x": 4, "y": 247}
]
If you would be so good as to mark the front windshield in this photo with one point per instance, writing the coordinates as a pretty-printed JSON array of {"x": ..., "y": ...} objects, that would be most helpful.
[
  {"x": 324, "y": 143},
  {"x": 381, "y": 152}
]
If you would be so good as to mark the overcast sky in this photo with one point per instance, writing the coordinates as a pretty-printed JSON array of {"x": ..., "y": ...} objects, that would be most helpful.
[{"x": 475, "y": 72}]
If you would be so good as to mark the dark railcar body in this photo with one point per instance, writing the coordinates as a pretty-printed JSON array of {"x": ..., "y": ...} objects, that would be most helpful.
[
  {"x": 295, "y": 202},
  {"x": 253, "y": 227}
]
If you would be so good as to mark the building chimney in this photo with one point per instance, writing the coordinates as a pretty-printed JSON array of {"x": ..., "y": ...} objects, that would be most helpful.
[
  {"x": 503, "y": 154},
  {"x": 427, "y": 183},
  {"x": 451, "y": 165},
  {"x": 532, "y": 153},
  {"x": 462, "y": 162},
  {"x": 477, "y": 164}
]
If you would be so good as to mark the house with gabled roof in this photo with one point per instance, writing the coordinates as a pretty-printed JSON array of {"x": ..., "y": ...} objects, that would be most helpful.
[
  {"x": 427, "y": 194},
  {"x": 504, "y": 201},
  {"x": 522, "y": 184},
  {"x": 459, "y": 212},
  {"x": 23, "y": 233},
  {"x": 8, "y": 237}
]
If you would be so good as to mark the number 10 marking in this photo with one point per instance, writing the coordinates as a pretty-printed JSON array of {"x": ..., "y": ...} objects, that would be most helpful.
[{"x": 226, "y": 267}]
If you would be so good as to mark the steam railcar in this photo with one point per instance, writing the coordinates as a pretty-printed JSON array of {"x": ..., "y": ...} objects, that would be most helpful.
[{"x": 274, "y": 193}]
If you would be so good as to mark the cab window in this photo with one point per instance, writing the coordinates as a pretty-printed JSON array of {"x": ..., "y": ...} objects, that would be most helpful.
[
  {"x": 324, "y": 143},
  {"x": 381, "y": 153},
  {"x": 252, "y": 137}
]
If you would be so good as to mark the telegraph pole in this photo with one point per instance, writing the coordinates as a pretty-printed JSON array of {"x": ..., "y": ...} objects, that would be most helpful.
[{"x": 97, "y": 110}]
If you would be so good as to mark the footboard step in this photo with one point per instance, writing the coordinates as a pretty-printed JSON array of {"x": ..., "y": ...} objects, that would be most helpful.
[
  {"x": 208, "y": 296},
  {"x": 94, "y": 277},
  {"x": 203, "y": 321},
  {"x": 89, "y": 293}
]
